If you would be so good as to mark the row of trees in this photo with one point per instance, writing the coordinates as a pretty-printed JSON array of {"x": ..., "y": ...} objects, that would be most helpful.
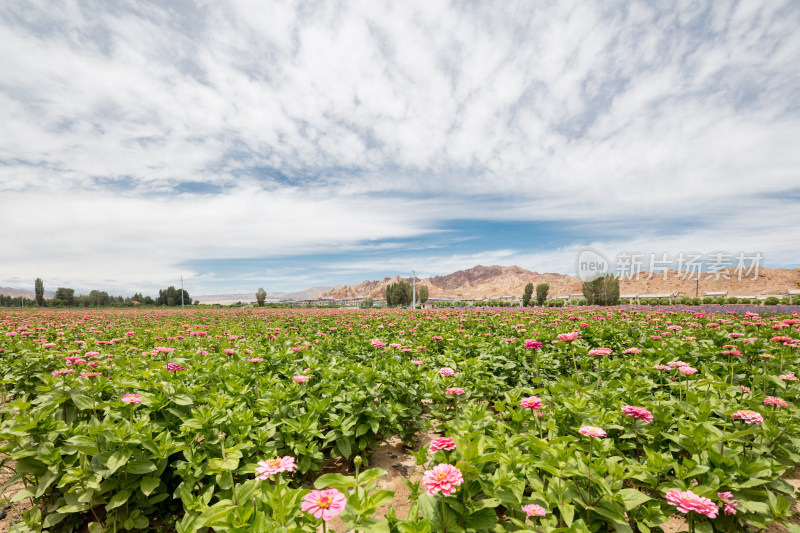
[
  {"x": 541, "y": 294},
  {"x": 66, "y": 297}
]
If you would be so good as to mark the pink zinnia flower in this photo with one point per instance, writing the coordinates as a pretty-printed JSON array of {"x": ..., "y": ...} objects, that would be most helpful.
[
  {"x": 446, "y": 371},
  {"x": 661, "y": 367},
  {"x": 745, "y": 415},
  {"x": 442, "y": 443},
  {"x": 62, "y": 372},
  {"x": 300, "y": 379},
  {"x": 592, "y": 431},
  {"x": 229, "y": 351},
  {"x": 687, "y": 370},
  {"x": 600, "y": 351},
  {"x": 377, "y": 343},
  {"x": 131, "y": 398},
  {"x": 532, "y": 345},
  {"x": 531, "y": 402},
  {"x": 90, "y": 374},
  {"x": 568, "y": 337},
  {"x": 455, "y": 391},
  {"x": 442, "y": 478},
  {"x": 777, "y": 402},
  {"x": 534, "y": 510},
  {"x": 638, "y": 412},
  {"x": 633, "y": 350},
  {"x": 256, "y": 360},
  {"x": 275, "y": 465},
  {"x": 678, "y": 364},
  {"x": 744, "y": 389},
  {"x": 174, "y": 367},
  {"x": 416, "y": 362},
  {"x": 324, "y": 504},
  {"x": 689, "y": 501},
  {"x": 788, "y": 377}
]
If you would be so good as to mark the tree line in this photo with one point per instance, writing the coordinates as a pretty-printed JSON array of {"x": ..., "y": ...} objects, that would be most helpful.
[{"x": 66, "y": 297}]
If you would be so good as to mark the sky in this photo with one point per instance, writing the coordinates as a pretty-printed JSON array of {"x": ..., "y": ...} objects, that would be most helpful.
[{"x": 244, "y": 144}]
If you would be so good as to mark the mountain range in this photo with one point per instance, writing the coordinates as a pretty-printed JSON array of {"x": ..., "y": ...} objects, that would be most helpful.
[{"x": 496, "y": 281}]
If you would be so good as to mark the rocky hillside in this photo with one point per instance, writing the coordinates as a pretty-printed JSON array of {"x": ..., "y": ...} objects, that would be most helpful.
[{"x": 492, "y": 281}]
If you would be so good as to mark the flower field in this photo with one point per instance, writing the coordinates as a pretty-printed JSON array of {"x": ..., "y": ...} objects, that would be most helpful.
[{"x": 584, "y": 419}]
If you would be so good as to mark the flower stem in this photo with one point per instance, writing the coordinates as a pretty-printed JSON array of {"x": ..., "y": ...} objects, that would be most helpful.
[{"x": 444, "y": 516}]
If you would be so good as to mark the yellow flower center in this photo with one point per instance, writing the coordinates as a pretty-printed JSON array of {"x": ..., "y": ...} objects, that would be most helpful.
[
  {"x": 441, "y": 475},
  {"x": 324, "y": 502},
  {"x": 274, "y": 463}
]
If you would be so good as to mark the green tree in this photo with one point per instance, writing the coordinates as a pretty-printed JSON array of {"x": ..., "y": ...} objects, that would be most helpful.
[
  {"x": 423, "y": 294},
  {"x": 261, "y": 297},
  {"x": 398, "y": 293},
  {"x": 38, "y": 288},
  {"x": 526, "y": 296},
  {"x": 172, "y": 297},
  {"x": 65, "y": 296},
  {"x": 603, "y": 290},
  {"x": 541, "y": 293},
  {"x": 367, "y": 302}
]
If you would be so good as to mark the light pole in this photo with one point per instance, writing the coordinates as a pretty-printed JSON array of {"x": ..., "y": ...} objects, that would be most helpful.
[{"x": 181, "y": 291}]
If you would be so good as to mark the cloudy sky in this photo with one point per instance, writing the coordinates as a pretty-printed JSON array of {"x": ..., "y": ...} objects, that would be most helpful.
[{"x": 243, "y": 144}]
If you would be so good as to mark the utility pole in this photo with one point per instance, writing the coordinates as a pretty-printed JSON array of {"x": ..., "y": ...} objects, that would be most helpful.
[
  {"x": 181, "y": 291},
  {"x": 413, "y": 290}
]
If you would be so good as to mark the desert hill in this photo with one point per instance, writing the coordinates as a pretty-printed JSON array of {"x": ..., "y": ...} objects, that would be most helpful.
[{"x": 494, "y": 281}]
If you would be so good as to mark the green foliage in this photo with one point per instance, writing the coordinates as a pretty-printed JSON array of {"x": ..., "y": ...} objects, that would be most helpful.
[
  {"x": 603, "y": 290},
  {"x": 526, "y": 296},
  {"x": 733, "y": 300},
  {"x": 64, "y": 296},
  {"x": 38, "y": 288},
  {"x": 719, "y": 300},
  {"x": 184, "y": 458},
  {"x": 696, "y": 301},
  {"x": 708, "y": 299},
  {"x": 423, "y": 294},
  {"x": 772, "y": 300},
  {"x": 261, "y": 297},
  {"x": 172, "y": 297},
  {"x": 367, "y": 302},
  {"x": 541, "y": 293},
  {"x": 399, "y": 293}
]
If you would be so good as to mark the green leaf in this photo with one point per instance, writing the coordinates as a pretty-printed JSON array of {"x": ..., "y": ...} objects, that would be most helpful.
[
  {"x": 141, "y": 467},
  {"x": 118, "y": 459},
  {"x": 148, "y": 485},
  {"x": 343, "y": 444},
  {"x": 216, "y": 513},
  {"x": 118, "y": 499},
  {"x": 95, "y": 527},
  {"x": 336, "y": 481},
  {"x": 83, "y": 444},
  {"x": 482, "y": 519},
  {"x": 380, "y": 497},
  {"x": 52, "y": 519},
  {"x": 368, "y": 476},
  {"x": 632, "y": 498},
  {"x": 81, "y": 401}
]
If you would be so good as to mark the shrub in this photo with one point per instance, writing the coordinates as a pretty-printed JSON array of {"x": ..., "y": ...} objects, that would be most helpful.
[
  {"x": 796, "y": 300},
  {"x": 696, "y": 301},
  {"x": 786, "y": 300},
  {"x": 708, "y": 300},
  {"x": 664, "y": 301},
  {"x": 719, "y": 300},
  {"x": 772, "y": 300},
  {"x": 686, "y": 300},
  {"x": 744, "y": 301},
  {"x": 733, "y": 300}
]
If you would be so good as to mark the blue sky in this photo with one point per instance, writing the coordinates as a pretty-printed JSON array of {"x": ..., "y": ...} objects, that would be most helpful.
[{"x": 247, "y": 144}]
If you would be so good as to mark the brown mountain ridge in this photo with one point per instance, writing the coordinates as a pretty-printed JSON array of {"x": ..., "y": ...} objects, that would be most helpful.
[{"x": 496, "y": 281}]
